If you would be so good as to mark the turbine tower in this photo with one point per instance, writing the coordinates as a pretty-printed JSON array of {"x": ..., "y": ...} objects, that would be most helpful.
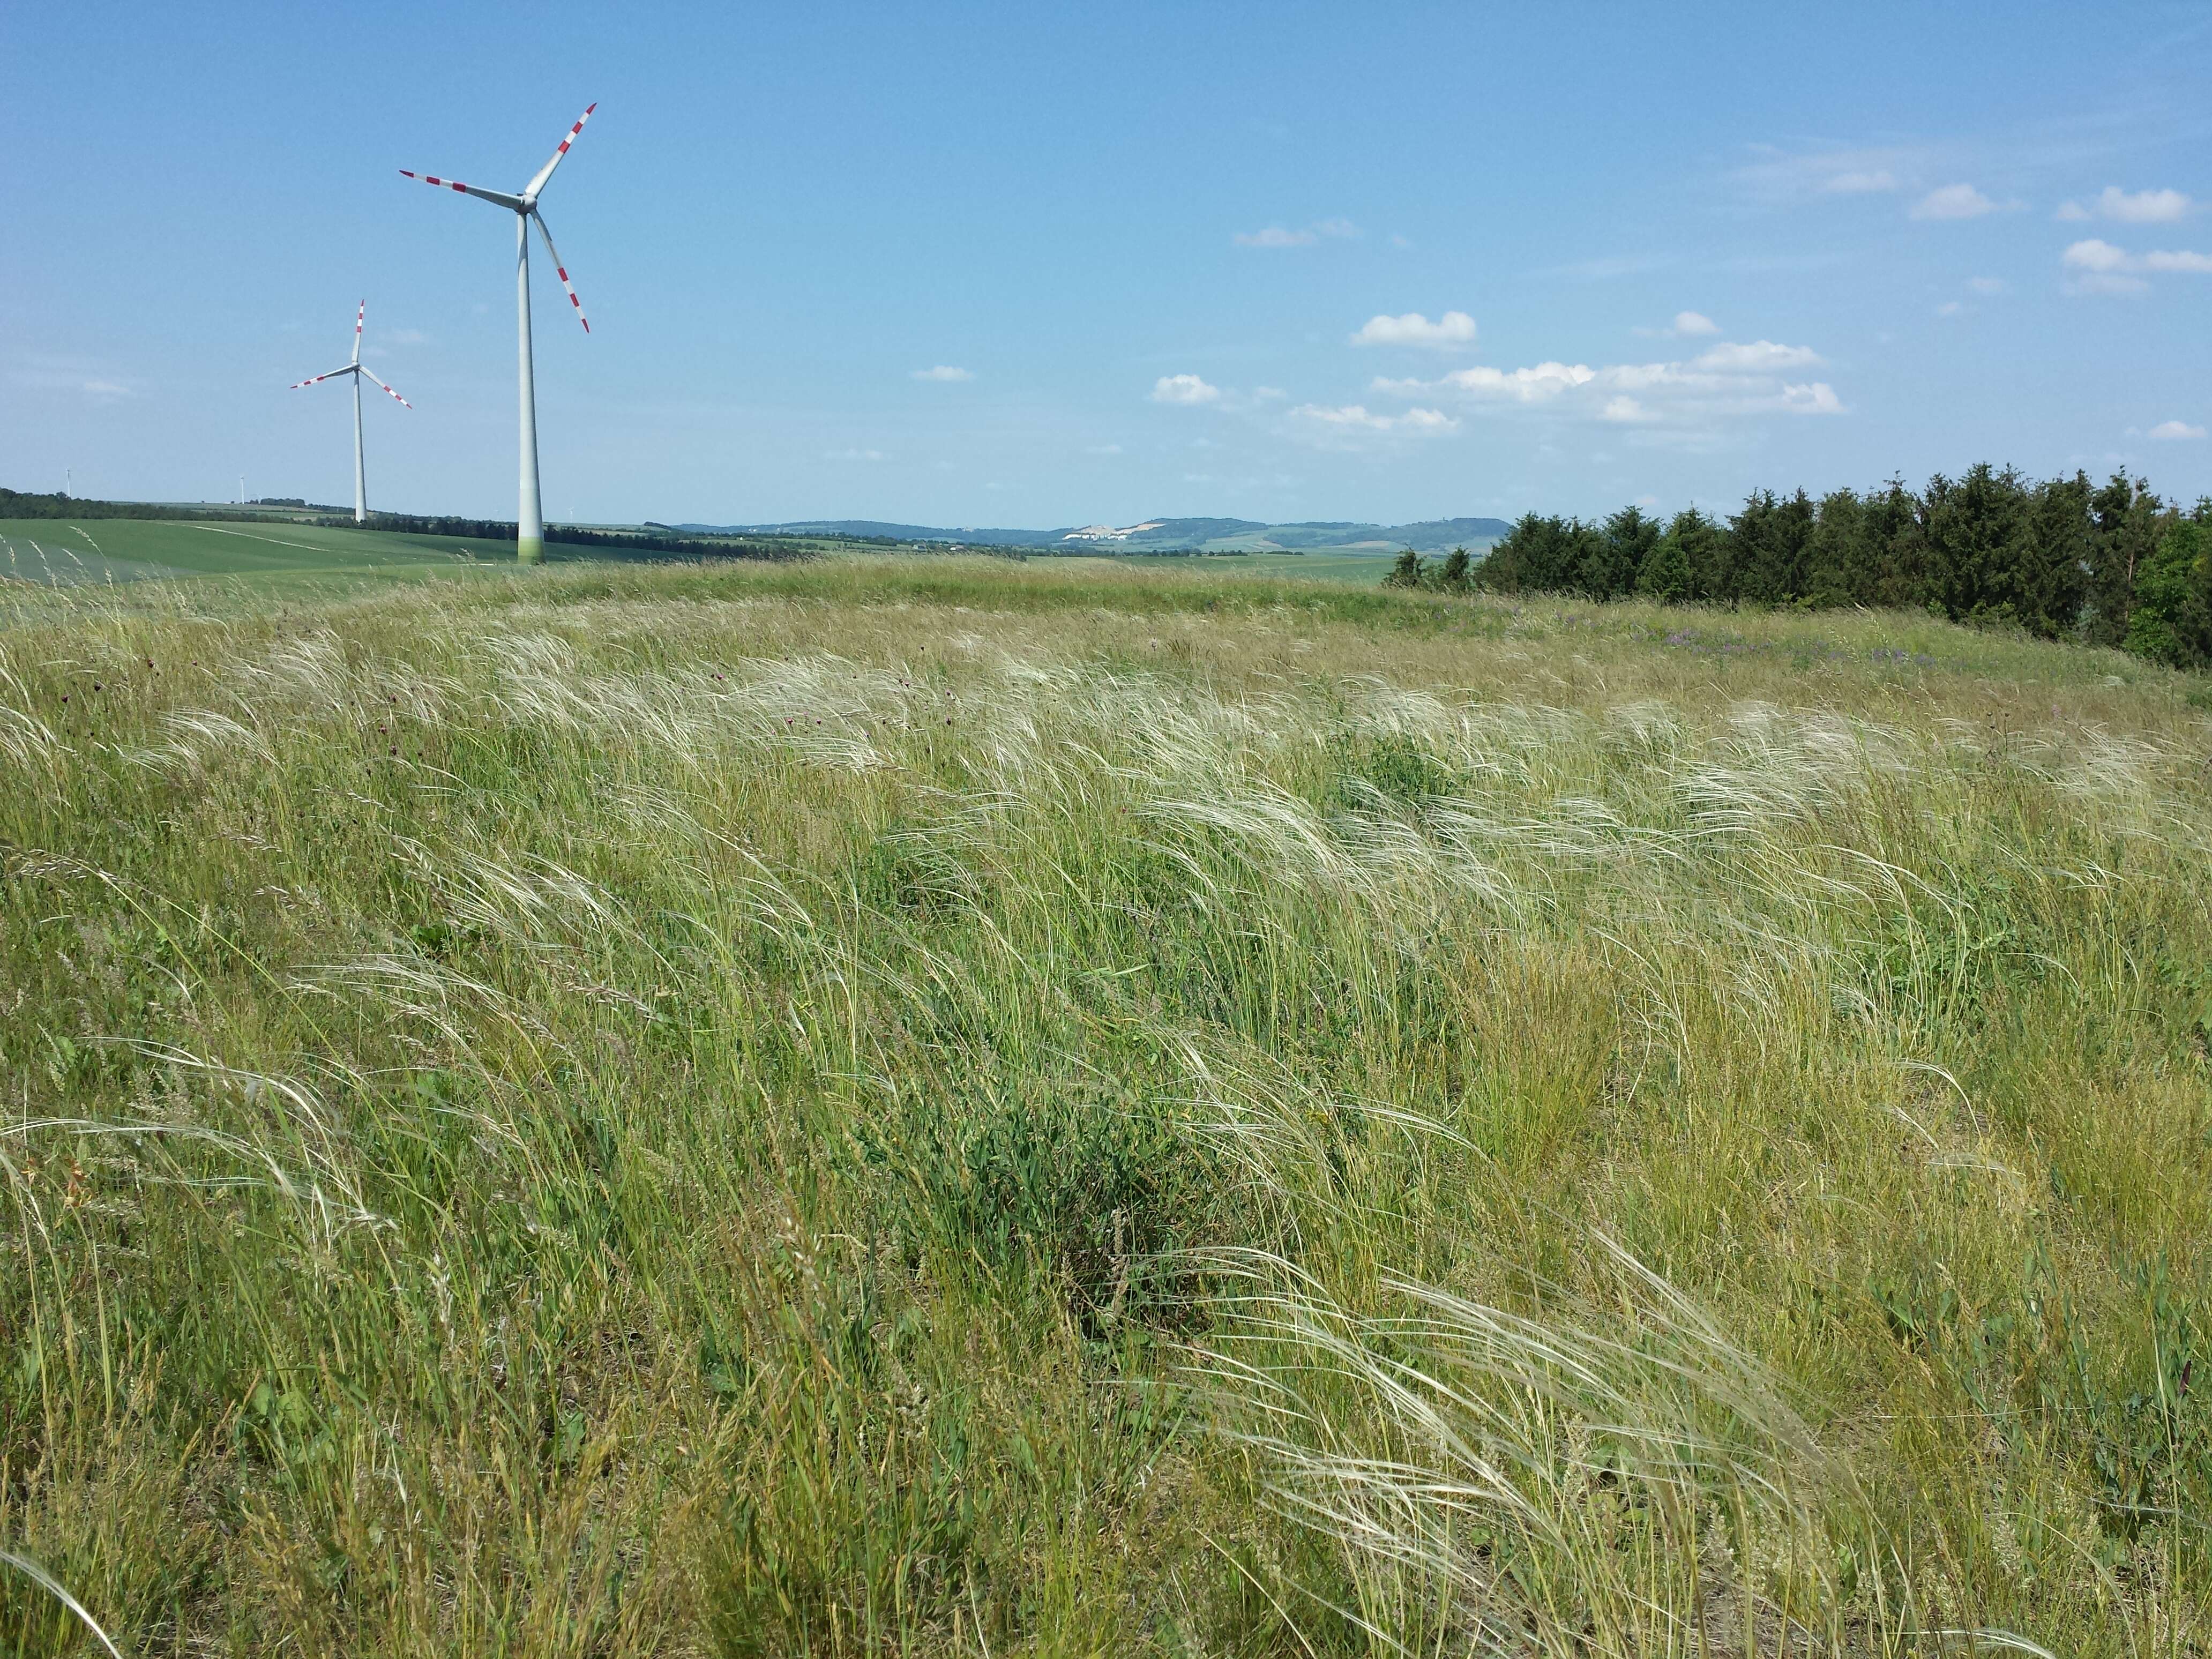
[
  {"x": 356, "y": 370},
  {"x": 529, "y": 520}
]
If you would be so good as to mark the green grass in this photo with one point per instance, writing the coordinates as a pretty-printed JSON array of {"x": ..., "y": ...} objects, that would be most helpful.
[
  {"x": 103, "y": 550},
  {"x": 954, "y": 1107}
]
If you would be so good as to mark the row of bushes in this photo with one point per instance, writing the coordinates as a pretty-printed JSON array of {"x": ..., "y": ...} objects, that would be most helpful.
[{"x": 2061, "y": 559}]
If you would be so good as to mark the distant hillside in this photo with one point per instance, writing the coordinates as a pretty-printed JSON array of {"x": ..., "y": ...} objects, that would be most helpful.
[{"x": 1155, "y": 535}]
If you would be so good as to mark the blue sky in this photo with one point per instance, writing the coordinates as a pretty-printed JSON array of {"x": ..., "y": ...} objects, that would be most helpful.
[{"x": 1384, "y": 262}]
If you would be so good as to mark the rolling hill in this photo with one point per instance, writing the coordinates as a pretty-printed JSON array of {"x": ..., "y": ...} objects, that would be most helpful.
[{"x": 1157, "y": 535}]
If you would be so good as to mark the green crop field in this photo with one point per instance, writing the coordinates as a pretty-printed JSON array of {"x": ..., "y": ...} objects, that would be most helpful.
[
  {"x": 960, "y": 1107},
  {"x": 104, "y": 551}
]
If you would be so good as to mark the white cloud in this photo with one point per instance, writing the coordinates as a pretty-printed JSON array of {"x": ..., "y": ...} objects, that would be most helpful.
[
  {"x": 1690, "y": 324},
  {"x": 1952, "y": 202},
  {"x": 1726, "y": 382},
  {"x": 1186, "y": 389},
  {"x": 1282, "y": 236},
  {"x": 1270, "y": 393},
  {"x": 107, "y": 389},
  {"x": 2174, "y": 431},
  {"x": 1760, "y": 356},
  {"x": 1986, "y": 284},
  {"x": 2072, "y": 213},
  {"x": 1454, "y": 328},
  {"x": 853, "y": 455},
  {"x": 2143, "y": 207},
  {"x": 2096, "y": 266},
  {"x": 1356, "y": 418},
  {"x": 1526, "y": 385},
  {"x": 1818, "y": 397},
  {"x": 943, "y": 372},
  {"x": 1104, "y": 449},
  {"x": 1950, "y": 308},
  {"x": 1400, "y": 239},
  {"x": 2095, "y": 254}
]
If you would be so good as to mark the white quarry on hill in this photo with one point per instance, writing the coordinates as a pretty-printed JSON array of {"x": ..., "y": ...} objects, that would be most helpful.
[{"x": 1106, "y": 532}]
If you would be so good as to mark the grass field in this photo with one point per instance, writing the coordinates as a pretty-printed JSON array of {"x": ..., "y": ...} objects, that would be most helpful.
[
  {"x": 952, "y": 1107},
  {"x": 100, "y": 551}
]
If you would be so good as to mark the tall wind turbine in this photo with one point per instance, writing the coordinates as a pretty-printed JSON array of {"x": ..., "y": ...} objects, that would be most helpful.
[
  {"x": 356, "y": 370},
  {"x": 530, "y": 521}
]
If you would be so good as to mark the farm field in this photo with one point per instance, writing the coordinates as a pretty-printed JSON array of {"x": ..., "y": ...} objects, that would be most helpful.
[
  {"x": 54, "y": 552},
  {"x": 944, "y": 1106}
]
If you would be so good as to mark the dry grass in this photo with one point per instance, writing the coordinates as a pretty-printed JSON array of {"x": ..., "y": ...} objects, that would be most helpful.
[{"x": 955, "y": 1108}]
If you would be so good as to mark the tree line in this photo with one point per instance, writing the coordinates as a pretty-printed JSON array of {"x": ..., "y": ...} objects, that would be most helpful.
[{"x": 2061, "y": 558}]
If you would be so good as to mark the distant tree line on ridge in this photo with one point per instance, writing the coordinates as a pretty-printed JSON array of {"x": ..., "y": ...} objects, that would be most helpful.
[{"x": 2107, "y": 565}]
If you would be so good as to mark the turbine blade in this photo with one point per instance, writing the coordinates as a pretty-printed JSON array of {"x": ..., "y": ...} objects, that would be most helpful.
[
  {"x": 530, "y": 191},
  {"x": 317, "y": 379},
  {"x": 561, "y": 270},
  {"x": 357, "y": 317},
  {"x": 403, "y": 402},
  {"x": 513, "y": 203}
]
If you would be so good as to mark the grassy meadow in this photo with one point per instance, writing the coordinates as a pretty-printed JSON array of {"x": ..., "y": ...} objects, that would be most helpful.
[{"x": 943, "y": 1107}]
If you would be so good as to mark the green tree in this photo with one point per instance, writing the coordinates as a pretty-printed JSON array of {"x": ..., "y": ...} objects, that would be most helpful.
[
  {"x": 1406, "y": 571},
  {"x": 1977, "y": 528},
  {"x": 1456, "y": 573},
  {"x": 2125, "y": 530},
  {"x": 1709, "y": 551},
  {"x": 1771, "y": 536},
  {"x": 1615, "y": 554},
  {"x": 1541, "y": 554},
  {"x": 2051, "y": 578},
  {"x": 1896, "y": 543},
  {"x": 1666, "y": 574},
  {"x": 2171, "y": 620},
  {"x": 1838, "y": 558}
]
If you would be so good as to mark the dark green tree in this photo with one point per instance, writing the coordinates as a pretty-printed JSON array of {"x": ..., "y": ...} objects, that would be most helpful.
[
  {"x": 1406, "y": 570},
  {"x": 2171, "y": 620},
  {"x": 1709, "y": 551},
  {"x": 2125, "y": 530},
  {"x": 1771, "y": 536},
  {"x": 1456, "y": 573},
  {"x": 2051, "y": 578},
  {"x": 1976, "y": 529},
  {"x": 1897, "y": 542},
  {"x": 1665, "y": 574},
  {"x": 1541, "y": 554},
  {"x": 1837, "y": 554},
  {"x": 1615, "y": 554}
]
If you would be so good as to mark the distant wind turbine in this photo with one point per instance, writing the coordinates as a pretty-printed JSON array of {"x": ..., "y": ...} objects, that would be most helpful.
[
  {"x": 356, "y": 370},
  {"x": 529, "y": 520}
]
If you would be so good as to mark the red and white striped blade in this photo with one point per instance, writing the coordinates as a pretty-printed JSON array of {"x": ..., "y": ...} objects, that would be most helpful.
[
  {"x": 317, "y": 379},
  {"x": 530, "y": 190},
  {"x": 357, "y": 319},
  {"x": 500, "y": 196},
  {"x": 403, "y": 402},
  {"x": 560, "y": 270}
]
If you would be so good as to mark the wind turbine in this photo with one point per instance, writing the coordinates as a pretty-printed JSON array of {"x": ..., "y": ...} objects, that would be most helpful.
[
  {"x": 530, "y": 521},
  {"x": 356, "y": 370}
]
